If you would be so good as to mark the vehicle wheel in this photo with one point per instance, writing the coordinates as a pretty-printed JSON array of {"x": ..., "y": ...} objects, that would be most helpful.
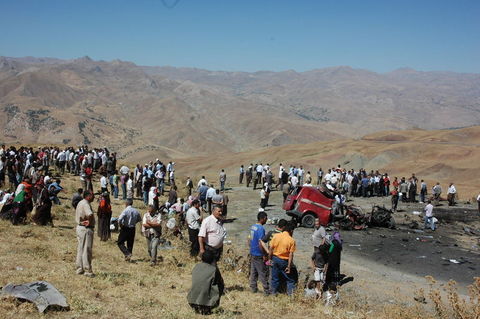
[{"x": 308, "y": 221}]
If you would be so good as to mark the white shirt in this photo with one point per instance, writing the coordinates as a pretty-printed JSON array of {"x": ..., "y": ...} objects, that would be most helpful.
[
  {"x": 328, "y": 177},
  {"x": 103, "y": 182},
  {"x": 452, "y": 190},
  {"x": 210, "y": 192},
  {"x": 294, "y": 181},
  {"x": 429, "y": 210},
  {"x": 259, "y": 168},
  {"x": 61, "y": 157},
  {"x": 213, "y": 231},
  {"x": 192, "y": 217},
  {"x": 202, "y": 181}
]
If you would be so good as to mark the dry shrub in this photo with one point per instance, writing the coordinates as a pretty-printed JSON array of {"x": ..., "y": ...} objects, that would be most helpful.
[{"x": 454, "y": 305}]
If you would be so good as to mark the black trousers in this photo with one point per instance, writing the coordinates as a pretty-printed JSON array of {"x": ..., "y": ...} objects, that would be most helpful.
[
  {"x": 194, "y": 245},
  {"x": 217, "y": 252},
  {"x": 126, "y": 235}
]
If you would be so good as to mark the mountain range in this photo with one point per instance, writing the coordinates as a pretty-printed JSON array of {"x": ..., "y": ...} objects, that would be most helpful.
[{"x": 181, "y": 112}]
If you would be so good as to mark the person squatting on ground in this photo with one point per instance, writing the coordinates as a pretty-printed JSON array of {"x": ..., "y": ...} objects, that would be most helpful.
[
  {"x": 429, "y": 219},
  {"x": 207, "y": 285}
]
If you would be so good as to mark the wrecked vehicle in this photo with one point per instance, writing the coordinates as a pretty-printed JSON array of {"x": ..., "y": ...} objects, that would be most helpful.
[
  {"x": 355, "y": 219},
  {"x": 306, "y": 203}
]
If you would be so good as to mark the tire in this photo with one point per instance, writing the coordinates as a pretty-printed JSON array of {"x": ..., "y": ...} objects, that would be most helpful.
[{"x": 308, "y": 220}]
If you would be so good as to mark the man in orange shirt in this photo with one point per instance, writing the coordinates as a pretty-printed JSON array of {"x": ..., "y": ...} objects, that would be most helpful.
[{"x": 282, "y": 247}]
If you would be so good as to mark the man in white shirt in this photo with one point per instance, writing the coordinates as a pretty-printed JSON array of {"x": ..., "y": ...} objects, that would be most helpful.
[
  {"x": 294, "y": 181},
  {"x": 212, "y": 234},
  {"x": 452, "y": 191},
  {"x": 103, "y": 183},
  {"x": 210, "y": 193},
  {"x": 201, "y": 182},
  {"x": 429, "y": 216},
  {"x": 478, "y": 201},
  {"x": 193, "y": 220}
]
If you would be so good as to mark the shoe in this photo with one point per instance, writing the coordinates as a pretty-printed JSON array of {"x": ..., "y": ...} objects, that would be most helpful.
[
  {"x": 89, "y": 274},
  {"x": 79, "y": 271},
  {"x": 153, "y": 264},
  {"x": 128, "y": 258},
  {"x": 254, "y": 290}
]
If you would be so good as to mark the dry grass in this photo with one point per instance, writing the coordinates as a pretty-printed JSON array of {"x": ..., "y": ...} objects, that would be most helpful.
[{"x": 136, "y": 290}]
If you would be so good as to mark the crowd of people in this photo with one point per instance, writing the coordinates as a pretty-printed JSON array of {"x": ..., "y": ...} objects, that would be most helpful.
[{"x": 34, "y": 183}]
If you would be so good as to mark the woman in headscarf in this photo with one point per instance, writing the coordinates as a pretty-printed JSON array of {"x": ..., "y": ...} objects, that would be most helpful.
[
  {"x": 19, "y": 210},
  {"x": 28, "y": 194},
  {"x": 43, "y": 215},
  {"x": 104, "y": 215},
  {"x": 333, "y": 277}
]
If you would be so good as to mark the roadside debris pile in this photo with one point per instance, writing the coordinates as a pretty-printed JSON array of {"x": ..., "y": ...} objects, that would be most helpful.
[{"x": 356, "y": 219}]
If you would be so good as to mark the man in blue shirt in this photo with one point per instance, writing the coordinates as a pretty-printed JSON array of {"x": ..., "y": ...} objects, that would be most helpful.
[
  {"x": 258, "y": 268},
  {"x": 127, "y": 221}
]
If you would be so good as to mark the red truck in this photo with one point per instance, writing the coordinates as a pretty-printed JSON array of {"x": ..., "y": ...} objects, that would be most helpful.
[{"x": 305, "y": 203}]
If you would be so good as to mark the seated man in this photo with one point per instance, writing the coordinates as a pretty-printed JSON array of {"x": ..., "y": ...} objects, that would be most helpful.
[{"x": 207, "y": 285}]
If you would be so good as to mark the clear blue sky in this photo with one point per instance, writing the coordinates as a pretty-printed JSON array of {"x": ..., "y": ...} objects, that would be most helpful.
[{"x": 249, "y": 35}]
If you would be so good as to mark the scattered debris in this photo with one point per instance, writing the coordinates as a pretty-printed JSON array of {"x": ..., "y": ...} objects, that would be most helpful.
[
  {"x": 454, "y": 261},
  {"x": 42, "y": 293}
]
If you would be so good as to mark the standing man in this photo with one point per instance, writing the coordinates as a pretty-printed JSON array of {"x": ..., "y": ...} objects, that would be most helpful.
[
  {"x": 437, "y": 191},
  {"x": 429, "y": 216},
  {"x": 452, "y": 192},
  {"x": 242, "y": 173},
  {"x": 249, "y": 174},
  {"x": 127, "y": 221},
  {"x": 319, "y": 176},
  {"x": 423, "y": 191},
  {"x": 209, "y": 195},
  {"x": 212, "y": 234},
  {"x": 85, "y": 220},
  {"x": 222, "y": 179},
  {"x": 282, "y": 247},
  {"x": 193, "y": 220},
  {"x": 152, "y": 230},
  {"x": 478, "y": 201},
  {"x": 258, "y": 268},
  {"x": 189, "y": 185}
]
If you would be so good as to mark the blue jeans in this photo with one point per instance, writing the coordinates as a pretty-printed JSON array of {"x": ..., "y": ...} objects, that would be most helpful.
[
  {"x": 429, "y": 220},
  {"x": 124, "y": 191},
  {"x": 145, "y": 197},
  {"x": 115, "y": 191},
  {"x": 278, "y": 274}
]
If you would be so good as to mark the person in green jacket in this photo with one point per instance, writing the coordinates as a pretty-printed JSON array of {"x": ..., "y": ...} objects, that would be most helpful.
[{"x": 207, "y": 285}]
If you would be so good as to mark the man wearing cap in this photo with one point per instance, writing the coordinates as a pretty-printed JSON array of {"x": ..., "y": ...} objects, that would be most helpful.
[
  {"x": 212, "y": 234},
  {"x": 85, "y": 220}
]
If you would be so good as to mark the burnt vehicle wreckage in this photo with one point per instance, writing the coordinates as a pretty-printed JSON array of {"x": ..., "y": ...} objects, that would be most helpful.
[{"x": 307, "y": 203}]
